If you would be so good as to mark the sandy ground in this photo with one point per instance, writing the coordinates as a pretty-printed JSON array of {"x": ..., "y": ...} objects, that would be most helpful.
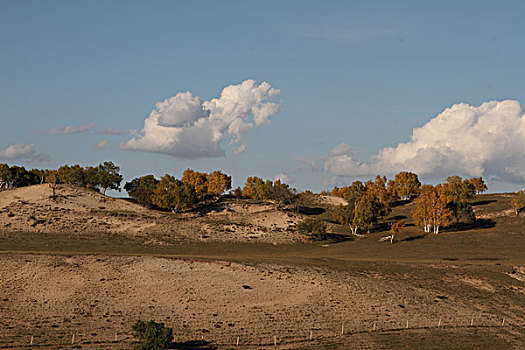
[
  {"x": 98, "y": 298},
  {"x": 77, "y": 210}
]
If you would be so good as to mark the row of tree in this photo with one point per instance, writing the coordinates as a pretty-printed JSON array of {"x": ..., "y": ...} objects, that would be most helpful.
[
  {"x": 174, "y": 194},
  {"x": 404, "y": 186},
  {"x": 433, "y": 208},
  {"x": 257, "y": 188},
  {"x": 102, "y": 177},
  {"x": 437, "y": 205},
  {"x": 367, "y": 203},
  {"x": 177, "y": 195}
]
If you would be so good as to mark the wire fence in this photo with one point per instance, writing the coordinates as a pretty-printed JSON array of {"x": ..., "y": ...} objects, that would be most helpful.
[{"x": 245, "y": 338}]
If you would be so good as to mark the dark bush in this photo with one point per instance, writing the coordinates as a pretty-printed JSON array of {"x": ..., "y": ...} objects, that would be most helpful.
[
  {"x": 154, "y": 336},
  {"x": 313, "y": 227}
]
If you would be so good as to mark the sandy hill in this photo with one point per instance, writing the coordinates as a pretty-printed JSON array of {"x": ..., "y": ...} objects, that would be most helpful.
[{"x": 76, "y": 210}]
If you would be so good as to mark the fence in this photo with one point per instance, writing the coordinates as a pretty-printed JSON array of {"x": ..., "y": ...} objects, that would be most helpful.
[{"x": 246, "y": 339}]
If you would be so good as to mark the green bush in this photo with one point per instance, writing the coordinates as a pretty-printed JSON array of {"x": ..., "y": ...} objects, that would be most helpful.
[
  {"x": 154, "y": 336},
  {"x": 313, "y": 227}
]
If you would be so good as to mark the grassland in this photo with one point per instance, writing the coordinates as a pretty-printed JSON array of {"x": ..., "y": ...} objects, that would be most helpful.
[{"x": 470, "y": 276}]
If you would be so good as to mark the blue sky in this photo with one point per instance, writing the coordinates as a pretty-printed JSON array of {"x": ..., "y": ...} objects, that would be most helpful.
[{"x": 360, "y": 73}]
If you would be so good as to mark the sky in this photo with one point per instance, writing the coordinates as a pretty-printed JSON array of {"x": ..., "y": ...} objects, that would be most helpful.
[{"x": 315, "y": 93}]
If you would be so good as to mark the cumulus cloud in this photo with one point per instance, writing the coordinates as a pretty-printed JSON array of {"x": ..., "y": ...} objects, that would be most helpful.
[
  {"x": 187, "y": 126},
  {"x": 488, "y": 141},
  {"x": 67, "y": 130},
  {"x": 21, "y": 151}
]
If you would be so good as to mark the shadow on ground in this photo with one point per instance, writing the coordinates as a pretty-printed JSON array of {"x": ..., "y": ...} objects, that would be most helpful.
[{"x": 193, "y": 345}]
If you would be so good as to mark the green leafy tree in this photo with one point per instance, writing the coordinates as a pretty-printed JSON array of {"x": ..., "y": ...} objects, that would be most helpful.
[
  {"x": 461, "y": 211},
  {"x": 73, "y": 175},
  {"x": 153, "y": 335},
  {"x": 313, "y": 227},
  {"x": 174, "y": 194},
  {"x": 142, "y": 189},
  {"x": 5, "y": 175},
  {"x": 20, "y": 177},
  {"x": 404, "y": 186},
  {"x": 37, "y": 176},
  {"x": 108, "y": 177},
  {"x": 343, "y": 214},
  {"x": 459, "y": 192}
]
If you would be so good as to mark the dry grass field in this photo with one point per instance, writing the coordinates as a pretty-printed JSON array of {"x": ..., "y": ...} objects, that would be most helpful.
[{"x": 78, "y": 272}]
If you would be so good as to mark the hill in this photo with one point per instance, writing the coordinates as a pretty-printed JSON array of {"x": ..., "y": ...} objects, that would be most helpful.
[{"x": 80, "y": 211}]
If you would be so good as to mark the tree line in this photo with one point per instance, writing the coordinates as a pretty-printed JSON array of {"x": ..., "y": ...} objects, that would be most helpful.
[
  {"x": 102, "y": 177},
  {"x": 194, "y": 187},
  {"x": 175, "y": 194},
  {"x": 434, "y": 206}
]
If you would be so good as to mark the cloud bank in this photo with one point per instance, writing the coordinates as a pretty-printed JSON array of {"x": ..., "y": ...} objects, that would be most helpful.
[
  {"x": 187, "y": 126},
  {"x": 487, "y": 141},
  {"x": 21, "y": 151}
]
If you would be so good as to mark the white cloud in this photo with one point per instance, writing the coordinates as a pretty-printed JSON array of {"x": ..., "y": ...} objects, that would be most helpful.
[
  {"x": 285, "y": 178},
  {"x": 488, "y": 141},
  {"x": 102, "y": 144},
  {"x": 68, "y": 130},
  {"x": 21, "y": 151},
  {"x": 187, "y": 126}
]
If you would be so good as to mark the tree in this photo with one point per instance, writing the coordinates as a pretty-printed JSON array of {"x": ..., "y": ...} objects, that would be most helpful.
[
  {"x": 479, "y": 184},
  {"x": 109, "y": 177},
  {"x": 517, "y": 204},
  {"x": 378, "y": 190},
  {"x": 459, "y": 192},
  {"x": 365, "y": 214},
  {"x": 73, "y": 175},
  {"x": 37, "y": 176},
  {"x": 395, "y": 229},
  {"x": 350, "y": 193},
  {"x": 142, "y": 189},
  {"x": 218, "y": 183},
  {"x": 154, "y": 336},
  {"x": 51, "y": 177},
  {"x": 343, "y": 214},
  {"x": 430, "y": 208},
  {"x": 174, "y": 194},
  {"x": 197, "y": 180},
  {"x": 458, "y": 189},
  {"x": 404, "y": 186},
  {"x": 5, "y": 175},
  {"x": 314, "y": 227},
  {"x": 461, "y": 210},
  {"x": 19, "y": 177}
]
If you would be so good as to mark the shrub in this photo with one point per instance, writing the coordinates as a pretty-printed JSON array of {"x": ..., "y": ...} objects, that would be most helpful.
[
  {"x": 313, "y": 227},
  {"x": 154, "y": 336}
]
